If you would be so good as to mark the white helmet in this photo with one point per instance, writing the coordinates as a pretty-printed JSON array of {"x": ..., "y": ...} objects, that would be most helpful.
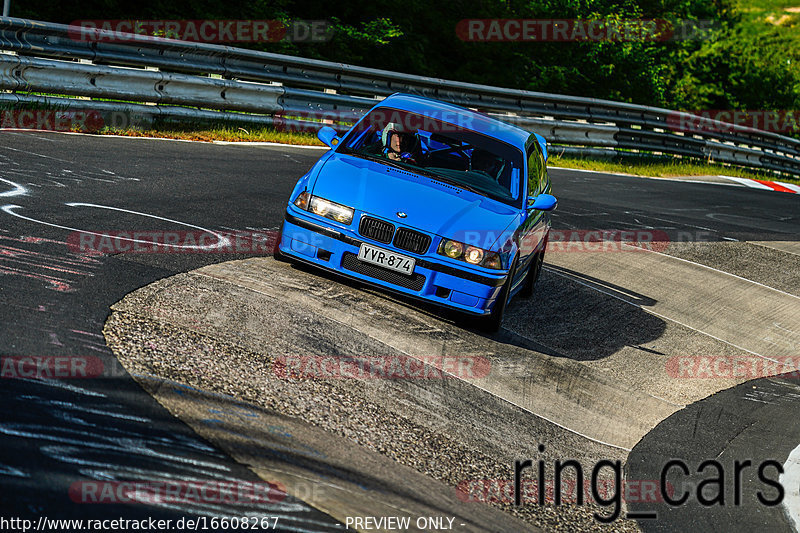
[{"x": 392, "y": 126}]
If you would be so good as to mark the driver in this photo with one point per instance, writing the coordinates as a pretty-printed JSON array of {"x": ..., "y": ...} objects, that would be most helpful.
[{"x": 399, "y": 145}]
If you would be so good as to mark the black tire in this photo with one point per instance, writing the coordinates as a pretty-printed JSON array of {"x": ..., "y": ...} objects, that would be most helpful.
[
  {"x": 492, "y": 323},
  {"x": 278, "y": 256},
  {"x": 276, "y": 252},
  {"x": 533, "y": 274}
]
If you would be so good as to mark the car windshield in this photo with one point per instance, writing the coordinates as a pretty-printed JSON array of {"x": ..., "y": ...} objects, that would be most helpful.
[{"x": 441, "y": 149}]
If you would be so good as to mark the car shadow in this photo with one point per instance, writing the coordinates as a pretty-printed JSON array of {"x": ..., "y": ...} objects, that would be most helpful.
[
  {"x": 570, "y": 315},
  {"x": 581, "y": 317}
]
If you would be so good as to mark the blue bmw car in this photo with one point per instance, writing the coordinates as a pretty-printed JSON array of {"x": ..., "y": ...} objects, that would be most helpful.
[{"x": 430, "y": 200}]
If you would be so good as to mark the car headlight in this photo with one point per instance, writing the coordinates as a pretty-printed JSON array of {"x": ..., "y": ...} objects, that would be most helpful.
[
  {"x": 324, "y": 208},
  {"x": 452, "y": 249},
  {"x": 473, "y": 255},
  {"x": 470, "y": 254}
]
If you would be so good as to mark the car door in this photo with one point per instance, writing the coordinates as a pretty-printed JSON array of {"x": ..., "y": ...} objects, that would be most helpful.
[{"x": 535, "y": 224}]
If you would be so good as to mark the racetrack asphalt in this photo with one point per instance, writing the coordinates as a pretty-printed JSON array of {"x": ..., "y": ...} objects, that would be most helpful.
[{"x": 608, "y": 318}]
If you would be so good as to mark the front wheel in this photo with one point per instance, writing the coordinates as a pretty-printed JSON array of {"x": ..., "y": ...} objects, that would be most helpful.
[
  {"x": 533, "y": 273},
  {"x": 492, "y": 323},
  {"x": 276, "y": 251}
]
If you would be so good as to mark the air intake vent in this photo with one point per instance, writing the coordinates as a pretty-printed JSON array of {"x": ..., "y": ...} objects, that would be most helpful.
[
  {"x": 376, "y": 229},
  {"x": 413, "y": 241},
  {"x": 415, "y": 282}
]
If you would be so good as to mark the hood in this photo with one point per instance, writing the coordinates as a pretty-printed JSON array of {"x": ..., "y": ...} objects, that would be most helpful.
[{"x": 431, "y": 206}]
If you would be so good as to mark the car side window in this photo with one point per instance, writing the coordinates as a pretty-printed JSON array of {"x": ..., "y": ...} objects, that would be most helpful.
[{"x": 537, "y": 174}]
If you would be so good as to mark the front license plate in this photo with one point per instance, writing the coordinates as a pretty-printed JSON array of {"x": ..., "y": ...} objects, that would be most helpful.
[{"x": 386, "y": 259}]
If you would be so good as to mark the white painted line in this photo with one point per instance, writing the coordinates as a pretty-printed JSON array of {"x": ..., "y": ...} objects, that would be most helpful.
[
  {"x": 790, "y": 479},
  {"x": 693, "y": 181},
  {"x": 662, "y": 178},
  {"x": 18, "y": 189},
  {"x": 265, "y": 143},
  {"x": 720, "y": 271},
  {"x": 772, "y": 246},
  {"x": 686, "y": 179},
  {"x": 222, "y": 241},
  {"x": 594, "y": 171}
]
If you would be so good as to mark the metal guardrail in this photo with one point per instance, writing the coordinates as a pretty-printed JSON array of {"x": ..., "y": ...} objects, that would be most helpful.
[{"x": 165, "y": 77}]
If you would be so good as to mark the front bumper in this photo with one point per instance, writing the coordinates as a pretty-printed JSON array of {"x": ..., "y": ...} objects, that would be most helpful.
[{"x": 336, "y": 249}]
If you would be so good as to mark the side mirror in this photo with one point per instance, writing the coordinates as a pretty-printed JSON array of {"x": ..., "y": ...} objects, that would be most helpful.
[
  {"x": 543, "y": 202},
  {"x": 329, "y": 136}
]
